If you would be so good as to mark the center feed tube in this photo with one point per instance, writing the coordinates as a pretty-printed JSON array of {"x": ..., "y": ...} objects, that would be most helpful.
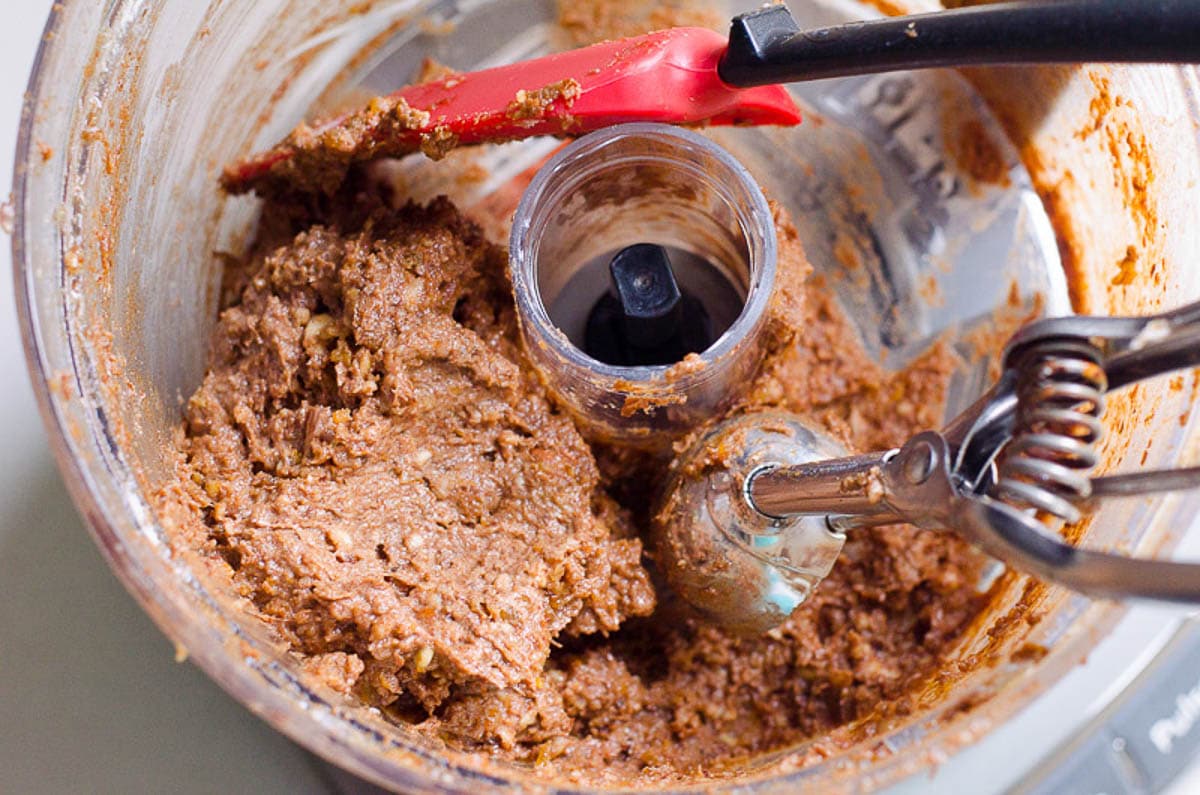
[{"x": 641, "y": 184}]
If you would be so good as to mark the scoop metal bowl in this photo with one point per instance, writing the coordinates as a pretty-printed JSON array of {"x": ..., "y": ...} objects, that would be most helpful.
[{"x": 739, "y": 567}]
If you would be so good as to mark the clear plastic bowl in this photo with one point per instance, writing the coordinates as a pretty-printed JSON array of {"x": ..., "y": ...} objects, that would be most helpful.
[{"x": 135, "y": 105}]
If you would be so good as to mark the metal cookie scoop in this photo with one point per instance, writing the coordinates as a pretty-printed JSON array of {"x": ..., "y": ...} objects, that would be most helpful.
[{"x": 755, "y": 514}]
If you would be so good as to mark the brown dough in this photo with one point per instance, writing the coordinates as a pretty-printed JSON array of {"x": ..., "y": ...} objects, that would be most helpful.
[
  {"x": 392, "y": 490},
  {"x": 384, "y": 475}
]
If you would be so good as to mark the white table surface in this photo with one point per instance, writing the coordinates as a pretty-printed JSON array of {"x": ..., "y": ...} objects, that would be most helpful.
[{"x": 91, "y": 699}]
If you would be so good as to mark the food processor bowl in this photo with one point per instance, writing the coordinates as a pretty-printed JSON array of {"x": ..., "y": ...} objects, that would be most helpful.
[{"x": 134, "y": 106}]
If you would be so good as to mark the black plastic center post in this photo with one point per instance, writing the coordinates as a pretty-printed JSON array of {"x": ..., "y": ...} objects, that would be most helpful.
[{"x": 646, "y": 319}]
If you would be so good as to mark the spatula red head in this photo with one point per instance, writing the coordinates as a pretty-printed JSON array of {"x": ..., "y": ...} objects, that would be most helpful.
[{"x": 669, "y": 76}]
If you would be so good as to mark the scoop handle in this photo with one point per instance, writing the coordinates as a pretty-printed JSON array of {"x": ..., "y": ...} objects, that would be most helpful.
[{"x": 767, "y": 46}]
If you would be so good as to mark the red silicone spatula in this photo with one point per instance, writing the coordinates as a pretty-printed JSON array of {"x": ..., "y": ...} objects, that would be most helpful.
[
  {"x": 668, "y": 76},
  {"x": 693, "y": 75}
]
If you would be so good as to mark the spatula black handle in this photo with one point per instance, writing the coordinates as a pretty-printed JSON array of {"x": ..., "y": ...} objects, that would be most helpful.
[{"x": 767, "y": 46}]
